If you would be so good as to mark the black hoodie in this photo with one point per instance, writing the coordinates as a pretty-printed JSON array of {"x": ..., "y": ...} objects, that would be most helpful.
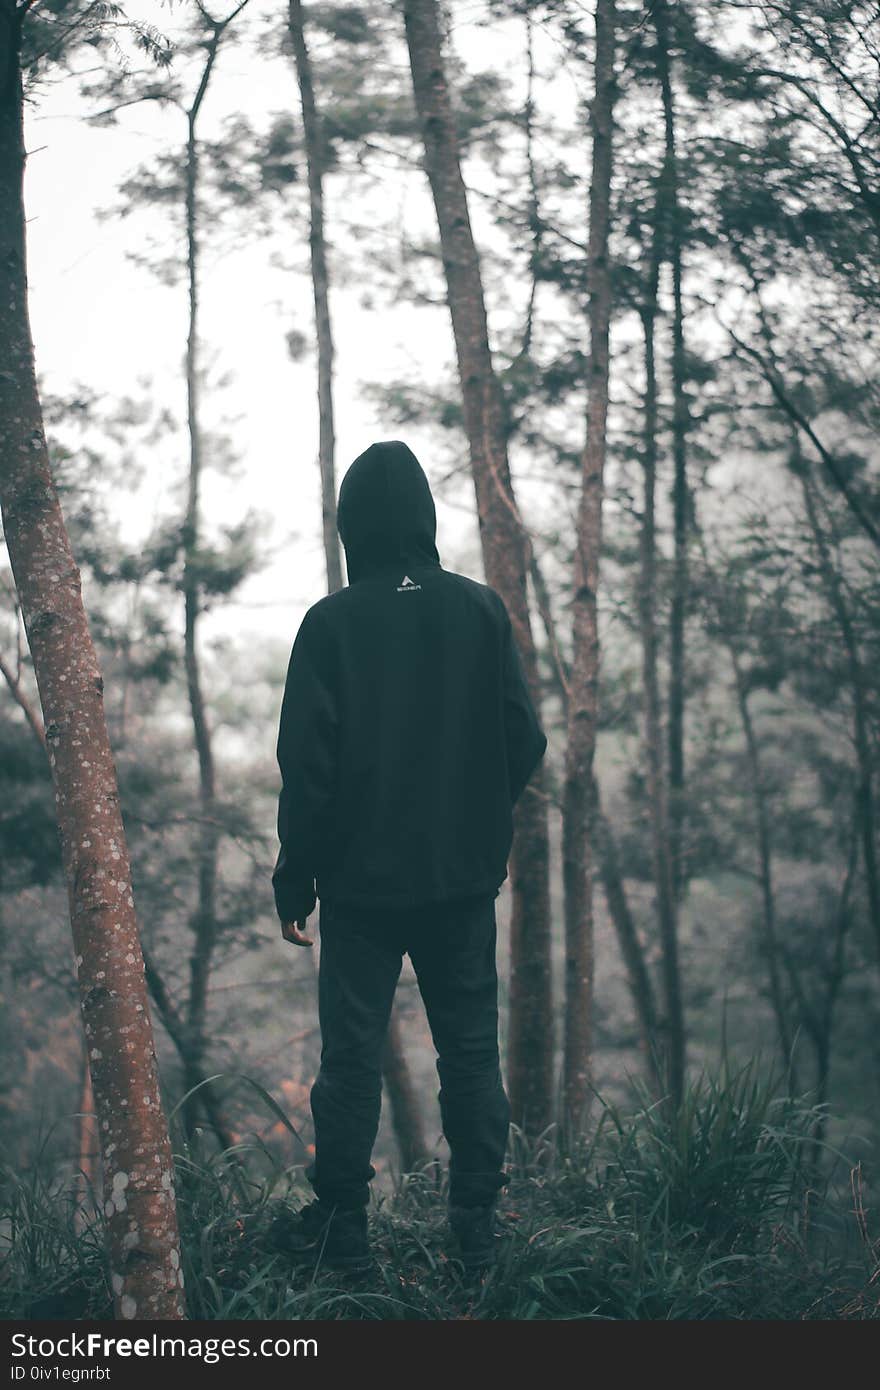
[{"x": 407, "y": 732}]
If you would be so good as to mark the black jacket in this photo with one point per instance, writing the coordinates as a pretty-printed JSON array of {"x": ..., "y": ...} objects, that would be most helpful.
[{"x": 407, "y": 732}]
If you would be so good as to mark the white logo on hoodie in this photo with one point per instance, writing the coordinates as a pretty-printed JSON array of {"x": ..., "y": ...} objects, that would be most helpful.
[{"x": 406, "y": 584}]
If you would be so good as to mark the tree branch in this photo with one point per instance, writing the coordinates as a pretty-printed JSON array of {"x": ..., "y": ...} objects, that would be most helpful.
[
  {"x": 771, "y": 375},
  {"x": 13, "y": 680}
]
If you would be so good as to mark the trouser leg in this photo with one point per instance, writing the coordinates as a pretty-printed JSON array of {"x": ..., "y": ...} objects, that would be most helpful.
[
  {"x": 453, "y": 953},
  {"x": 358, "y": 973}
]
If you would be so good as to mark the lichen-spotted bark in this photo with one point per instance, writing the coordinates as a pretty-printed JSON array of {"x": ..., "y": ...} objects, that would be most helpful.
[
  {"x": 505, "y": 558},
  {"x": 143, "y": 1243}
]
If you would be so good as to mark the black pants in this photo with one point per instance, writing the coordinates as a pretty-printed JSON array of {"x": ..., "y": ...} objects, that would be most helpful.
[{"x": 452, "y": 948}]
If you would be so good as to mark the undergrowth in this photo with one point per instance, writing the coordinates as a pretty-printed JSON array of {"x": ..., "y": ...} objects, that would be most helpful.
[{"x": 711, "y": 1211}]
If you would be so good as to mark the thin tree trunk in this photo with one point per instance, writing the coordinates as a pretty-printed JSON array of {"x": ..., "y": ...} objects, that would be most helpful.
[
  {"x": 20, "y": 696},
  {"x": 406, "y": 1115},
  {"x": 765, "y": 863},
  {"x": 680, "y": 492},
  {"x": 204, "y": 920},
  {"x": 860, "y": 686},
  {"x": 536, "y": 226},
  {"x": 315, "y": 160},
  {"x": 673, "y": 1023},
  {"x": 561, "y": 672},
  {"x": 194, "y": 1074},
  {"x": 141, "y": 1219},
  {"x": 631, "y": 949},
  {"x": 610, "y": 872},
  {"x": 834, "y": 982},
  {"x": 577, "y": 802},
  {"x": 505, "y": 557},
  {"x": 817, "y": 1017}
]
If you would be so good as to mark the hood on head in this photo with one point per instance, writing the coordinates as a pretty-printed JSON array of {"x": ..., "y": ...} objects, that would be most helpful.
[{"x": 385, "y": 513}]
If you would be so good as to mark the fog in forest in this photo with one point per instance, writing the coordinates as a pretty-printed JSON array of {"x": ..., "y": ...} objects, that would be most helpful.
[{"x": 704, "y": 655}]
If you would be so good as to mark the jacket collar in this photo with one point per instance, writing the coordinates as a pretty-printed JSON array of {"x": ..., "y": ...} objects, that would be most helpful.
[{"x": 400, "y": 565}]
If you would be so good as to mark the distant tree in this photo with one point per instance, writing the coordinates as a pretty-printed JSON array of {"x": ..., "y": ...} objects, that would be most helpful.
[
  {"x": 505, "y": 555},
  {"x": 756, "y": 599},
  {"x": 315, "y": 146},
  {"x": 669, "y": 216},
  {"x": 204, "y": 570},
  {"x": 673, "y": 1040},
  {"x": 577, "y": 857},
  {"x": 205, "y": 923},
  {"x": 841, "y": 475},
  {"x": 724, "y": 599}
]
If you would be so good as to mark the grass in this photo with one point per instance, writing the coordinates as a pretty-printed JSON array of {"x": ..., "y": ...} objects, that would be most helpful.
[{"x": 710, "y": 1212}]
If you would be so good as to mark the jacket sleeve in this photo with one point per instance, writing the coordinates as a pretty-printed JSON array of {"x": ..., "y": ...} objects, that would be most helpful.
[
  {"x": 307, "y": 759},
  {"x": 526, "y": 743}
]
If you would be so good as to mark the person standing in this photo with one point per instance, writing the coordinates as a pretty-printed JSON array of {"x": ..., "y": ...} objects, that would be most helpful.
[{"x": 406, "y": 737}]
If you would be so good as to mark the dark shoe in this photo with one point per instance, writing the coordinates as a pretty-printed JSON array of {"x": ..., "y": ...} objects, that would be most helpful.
[
  {"x": 323, "y": 1235},
  {"x": 474, "y": 1230}
]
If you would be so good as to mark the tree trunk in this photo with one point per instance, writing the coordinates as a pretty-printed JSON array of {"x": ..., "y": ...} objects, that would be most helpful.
[
  {"x": 577, "y": 847},
  {"x": 824, "y": 1033},
  {"x": 204, "y": 920},
  {"x": 142, "y": 1234},
  {"x": 673, "y": 1042},
  {"x": 314, "y": 144},
  {"x": 614, "y": 886},
  {"x": 405, "y": 1113},
  {"x": 505, "y": 558},
  {"x": 860, "y": 686},
  {"x": 194, "y": 1074},
  {"x": 765, "y": 864},
  {"x": 631, "y": 949},
  {"x": 20, "y": 696},
  {"x": 680, "y": 492}
]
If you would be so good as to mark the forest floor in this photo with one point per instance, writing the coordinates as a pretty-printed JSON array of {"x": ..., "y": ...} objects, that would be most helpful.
[{"x": 718, "y": 1211}]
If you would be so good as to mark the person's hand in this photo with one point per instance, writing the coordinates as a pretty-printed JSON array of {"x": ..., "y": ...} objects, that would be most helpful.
[{"x": 295, "y": 933}]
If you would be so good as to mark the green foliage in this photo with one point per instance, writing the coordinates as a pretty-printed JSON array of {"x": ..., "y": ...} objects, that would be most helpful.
[
  {"x": 54, "y": 1264},
  {"x": 694, "y": 1215},
  {"x": 349, "y": 24},
  {"x": 56, "y": 30}
]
